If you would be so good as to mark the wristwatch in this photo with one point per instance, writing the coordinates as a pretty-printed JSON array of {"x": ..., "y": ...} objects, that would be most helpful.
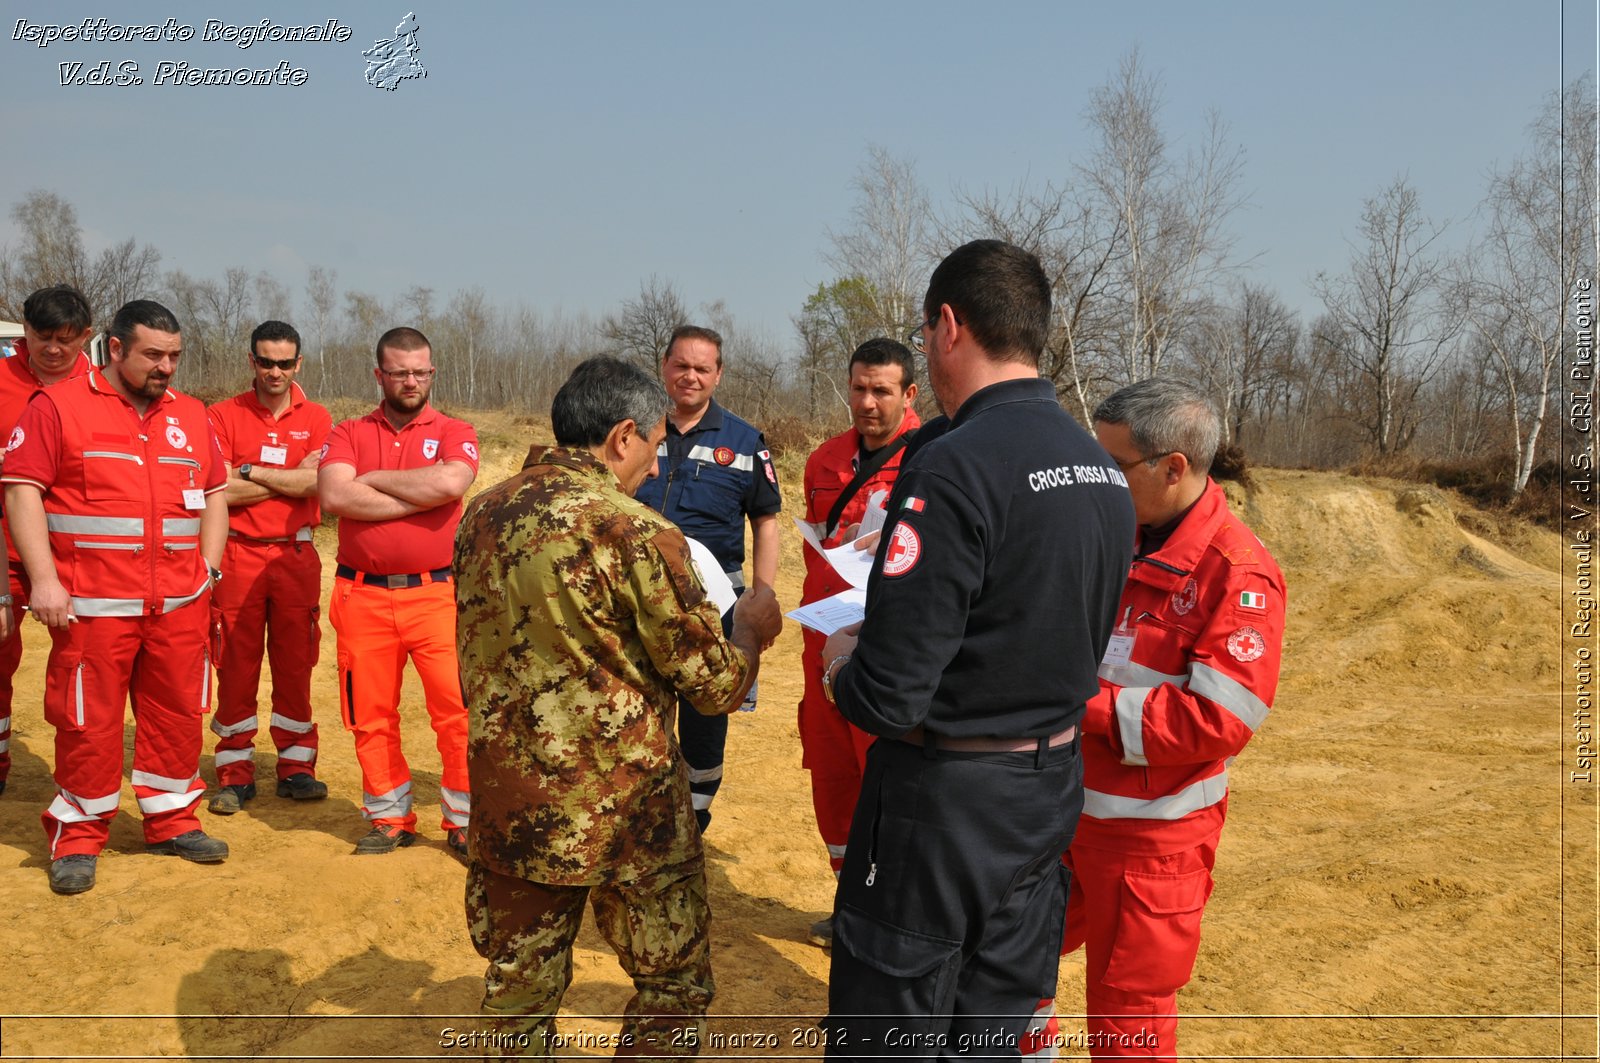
[
  {"x": 216, "y": 575},
  {"x": 244, "y": 472},
  {"x": 830, "y": 673}
]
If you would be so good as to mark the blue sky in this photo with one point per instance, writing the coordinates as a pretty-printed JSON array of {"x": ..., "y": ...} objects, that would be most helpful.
[{"x": 558, "y": 154}]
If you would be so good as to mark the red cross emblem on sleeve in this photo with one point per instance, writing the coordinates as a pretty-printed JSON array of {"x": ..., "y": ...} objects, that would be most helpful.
[
  {"x": 904, "y": 548},
  {"x": 1246, "y": 644}
]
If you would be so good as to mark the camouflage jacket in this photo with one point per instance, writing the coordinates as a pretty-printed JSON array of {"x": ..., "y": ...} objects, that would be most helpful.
[{"x": 580, "y": 620}]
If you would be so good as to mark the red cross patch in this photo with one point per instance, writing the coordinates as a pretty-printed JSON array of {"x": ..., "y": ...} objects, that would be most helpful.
[
  {"x": 904, "y": 548},
  {"x": 1246, "y": 645}
]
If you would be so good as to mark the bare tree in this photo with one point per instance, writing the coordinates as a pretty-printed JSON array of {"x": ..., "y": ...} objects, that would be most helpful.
[
  {"x": 836, "y": 319},
  {"x": 321, "y": 294},
  {"x": 215, "y": 319},
  {"x": 272, "y": 299},
  {"x": 1166, "y": 221},
  {"x": 888, "y": 242},
  {"x": 1078, "y": 256},
  {"x": 1537, "y": 243},
  {"x": 1237, "y": 349},
  {"x": 641, "y": 331},
  {"x": 51, "y": 251},
  {"x": 1391, "y": 327}
]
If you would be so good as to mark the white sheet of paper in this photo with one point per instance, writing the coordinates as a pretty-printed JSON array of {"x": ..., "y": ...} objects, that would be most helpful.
[
  {"x": 831, "y": 614},
  {"x": 852, "y": 564},
  {"x": 875, "y": 516},
  {"x": 719, "y": 588}
]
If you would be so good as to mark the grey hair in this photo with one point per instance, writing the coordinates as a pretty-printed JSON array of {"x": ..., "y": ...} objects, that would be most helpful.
[
  {"x": 1164, "y": 416},
  {"x": 601, "y": 393}
]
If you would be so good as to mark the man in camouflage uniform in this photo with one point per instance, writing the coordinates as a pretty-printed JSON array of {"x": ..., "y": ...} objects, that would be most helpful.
[{"x": 581, "y": 622}]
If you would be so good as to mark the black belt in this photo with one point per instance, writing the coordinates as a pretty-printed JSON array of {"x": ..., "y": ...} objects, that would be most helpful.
[
  {"x": 984, "y": 744},
  {"x": 398, "y": 581}
]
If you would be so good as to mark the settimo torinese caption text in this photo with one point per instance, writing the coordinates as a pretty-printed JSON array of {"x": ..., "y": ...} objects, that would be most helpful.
[{"x": 175, "y": 72}]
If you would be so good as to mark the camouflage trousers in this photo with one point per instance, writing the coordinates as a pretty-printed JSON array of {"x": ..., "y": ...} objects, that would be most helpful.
[{"x": 658, "y": 925}]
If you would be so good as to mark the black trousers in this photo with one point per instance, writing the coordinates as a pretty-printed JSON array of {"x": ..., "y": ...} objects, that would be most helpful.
[
  {"x": 703, "y": 740},
  {"x": 948, "y": 919}
]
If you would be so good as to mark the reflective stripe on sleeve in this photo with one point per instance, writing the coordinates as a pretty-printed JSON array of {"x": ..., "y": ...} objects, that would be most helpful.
[
  {"x": 1130, "y": 723},
  {"x": 1229, "y": 693},
  {"x": 1190, "y": 799},
  {"x": 169, "y": 604}
]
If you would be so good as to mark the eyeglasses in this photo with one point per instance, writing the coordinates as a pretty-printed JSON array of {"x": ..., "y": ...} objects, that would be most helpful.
[
  {"x": 399, "y": 376},
  {"x": 918, "y": 338},
  {"x": 284, "y": 364},
  {"x": 1127, "y": 466}
]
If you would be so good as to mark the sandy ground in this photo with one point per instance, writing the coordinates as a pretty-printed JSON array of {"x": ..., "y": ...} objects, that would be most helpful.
[{"x": 1405, "y": 871}]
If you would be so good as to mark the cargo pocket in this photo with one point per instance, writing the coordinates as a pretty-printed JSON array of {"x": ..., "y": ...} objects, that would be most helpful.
[
  {"x": 347, "y": 692},
  {"x": 1158, "y": 932},
  {"x": 923, "y": 968},
  {"x": 64, "y": 692}
]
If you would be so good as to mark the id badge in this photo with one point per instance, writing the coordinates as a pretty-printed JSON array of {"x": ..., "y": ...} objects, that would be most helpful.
[
  {"x": 194, "y": 498},
  {"x": 1119, "y": 648},
  {"x": 274, "y": 455}
]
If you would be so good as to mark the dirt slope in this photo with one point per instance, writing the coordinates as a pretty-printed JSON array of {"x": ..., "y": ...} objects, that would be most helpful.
[{"x": 1394, "y": 847}]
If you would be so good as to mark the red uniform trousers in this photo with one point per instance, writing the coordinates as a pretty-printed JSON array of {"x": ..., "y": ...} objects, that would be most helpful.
[
  {"x": 1137, "y": 917},
  {"x": 96, "y": 664},
  {"x": 377, "y": 629},
  {"x": 267, "y": 601},
  {"x": 833, "y": 750},
  {"x": 10, "y": 658}
]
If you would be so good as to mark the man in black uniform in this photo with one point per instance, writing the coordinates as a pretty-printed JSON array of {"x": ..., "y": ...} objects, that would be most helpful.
[{"x": 988, "y": 609}]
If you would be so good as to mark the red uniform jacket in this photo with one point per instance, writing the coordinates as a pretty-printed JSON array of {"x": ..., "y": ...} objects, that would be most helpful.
[
  {"x": 1205, "y": 616},
  {"x": 829, "y": 470}
]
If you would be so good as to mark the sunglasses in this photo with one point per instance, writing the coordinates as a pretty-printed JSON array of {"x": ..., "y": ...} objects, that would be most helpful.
[{"x": 284, "y": 364}]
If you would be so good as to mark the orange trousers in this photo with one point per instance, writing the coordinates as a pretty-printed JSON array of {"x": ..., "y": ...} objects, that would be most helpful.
[
  {"x": 377, "y": 630},
  {"x": 96, "y": 666},
  {"x": 267, "y": 603}
]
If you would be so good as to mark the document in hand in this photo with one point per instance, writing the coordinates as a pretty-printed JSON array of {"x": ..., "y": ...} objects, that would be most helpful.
[
  {"x": 719, "y": 588},
  {"x": 852, "y": 563},
  {"x": 829, "y": 615}
]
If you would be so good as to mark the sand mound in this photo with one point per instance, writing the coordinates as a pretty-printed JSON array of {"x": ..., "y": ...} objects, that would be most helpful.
[{"x": 1394, "y": 844}]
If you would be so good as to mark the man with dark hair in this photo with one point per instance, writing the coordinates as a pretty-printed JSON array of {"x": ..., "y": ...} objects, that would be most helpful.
[
  {"x": 1187, "y": 679},
  {"x": 114, "y": 492},
  {"x": 842, "y": 476},
  {"x": 716, "y": 471},
  {"x": 55, "y": 326},
  {"x": 271, "y": 437},
  {"x": 395, "y": 479},
  {"x": 988, "y": 608},
  {"x": 582, "y": 623}
]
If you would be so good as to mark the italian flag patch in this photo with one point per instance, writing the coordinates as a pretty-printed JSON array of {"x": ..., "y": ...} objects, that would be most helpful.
[
  {"x": 1252, "y": 600},
  {"x": 913, "y": 503}
]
